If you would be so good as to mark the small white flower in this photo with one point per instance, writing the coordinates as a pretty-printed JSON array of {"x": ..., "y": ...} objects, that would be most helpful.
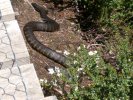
[
  {"x": 45, "y": 81},
  {"x": 59, "y": 74},
  {"x": 78, "y": 48},
  {"x": 97, "y": 60},
  {"x": 83, "y": 86},
  {"x": 51, "y": 71},
  {"x": 84, "y": 46},
  {"x": 41, "y": 80},
  {"x": 74, "y": 54},
  {"x": 78, "y": 31},
  {"x": 129, "y": 60},
  {"x": 57, "y": 69},
  {"x": 92, "y": 53},
  {"x": 76, "y": 88},
  {"x": 103, "y": 29},
  {"x": 111, "y": 52},
  {"x": 55, "y": 82},
  {"x": 66, "y": 53},
  {"x": 75, "y": 62},
  {"x": 80, "y": 69}
]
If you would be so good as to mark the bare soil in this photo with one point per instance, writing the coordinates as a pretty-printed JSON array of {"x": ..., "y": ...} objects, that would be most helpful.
[{"x": 65, "y": 39}]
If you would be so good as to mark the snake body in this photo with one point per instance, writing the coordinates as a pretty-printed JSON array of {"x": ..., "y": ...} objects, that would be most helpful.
[{"x": 48, "y": 25}]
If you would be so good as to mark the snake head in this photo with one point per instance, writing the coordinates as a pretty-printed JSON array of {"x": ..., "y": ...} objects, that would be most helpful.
[{"x": 39, "y": 8}]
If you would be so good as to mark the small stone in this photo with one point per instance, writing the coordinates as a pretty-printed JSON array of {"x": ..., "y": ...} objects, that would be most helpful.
[
  {"x": 66, "y": 53},
  {"x": 59, "y": 51}
]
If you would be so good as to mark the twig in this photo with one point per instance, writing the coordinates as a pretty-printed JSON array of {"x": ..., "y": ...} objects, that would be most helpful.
[
  {"x": 57, "y": 90},
  {"x": 96, "y": 45}
]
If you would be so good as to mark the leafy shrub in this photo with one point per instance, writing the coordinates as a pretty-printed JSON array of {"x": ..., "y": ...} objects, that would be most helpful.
[
  {"x": 90, "y": 78},
  {"x": 104, "y": 9}
]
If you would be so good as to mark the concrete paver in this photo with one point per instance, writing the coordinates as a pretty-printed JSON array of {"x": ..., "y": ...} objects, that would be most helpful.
[{"x": 6, "y": 10}]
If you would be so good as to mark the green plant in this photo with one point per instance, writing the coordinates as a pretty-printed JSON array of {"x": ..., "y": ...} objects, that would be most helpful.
[
  {"x": 104, "y": 10},
  {"x": 106, "y": 82},
  {"x": 90, "y": 78}
]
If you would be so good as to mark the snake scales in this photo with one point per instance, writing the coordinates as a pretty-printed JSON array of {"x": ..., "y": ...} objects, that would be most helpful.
[{"x": 48, "y": 25}]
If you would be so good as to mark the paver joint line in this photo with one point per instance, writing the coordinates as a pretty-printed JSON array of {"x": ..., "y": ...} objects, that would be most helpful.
[{"x": 0, "y": 15}]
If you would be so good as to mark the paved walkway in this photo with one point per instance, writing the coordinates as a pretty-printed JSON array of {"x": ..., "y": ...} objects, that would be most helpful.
[{"x": 18, "y": 79}]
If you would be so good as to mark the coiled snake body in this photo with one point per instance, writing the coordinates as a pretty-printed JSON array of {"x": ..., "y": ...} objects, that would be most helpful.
[{"x": 48, "y": 25}]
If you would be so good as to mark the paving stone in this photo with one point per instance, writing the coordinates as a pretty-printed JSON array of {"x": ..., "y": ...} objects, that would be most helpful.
[
  {"x": 20, "y": 87},
  {"x": 19, "y": 48},
  {"x": 15, "y": 70},
  {"x": 5, "y": 40},
  {"x": 3, "y": 82},
  {"x": 1, "y": 92},
  {"x": 5, "y": 48},
  {"x": 6, "y": 10},
  {"x": 5, "y": 73},
  {"x": 14, "y": 32},
  {"x": 19, "y": 95},
  {"x": 22, "y": 61},
  {"x": 31, "y": 82},
  {"x": 7, "y": 64},
  {"x": 10, "y": 89},
  {"x": 7, "y": 97},
  {"x": 2, "y": 57},
  {"x": 14, "y": 79},
  {"x": 22, "y": 55},
  {"x": 10, "y": 55},
  {"x": 18, "y": 62},
  {"x": 2, "y": 33},
  {"x": 2, "y": 27}
]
